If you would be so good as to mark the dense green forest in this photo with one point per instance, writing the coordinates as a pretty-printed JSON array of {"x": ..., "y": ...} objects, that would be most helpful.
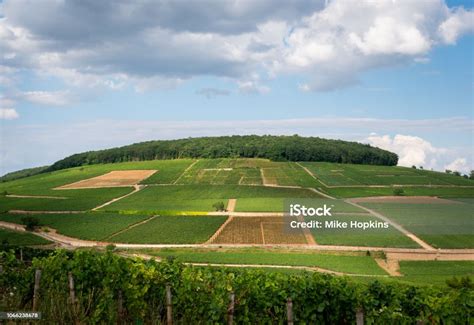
[{"x": 277, "y": 148}]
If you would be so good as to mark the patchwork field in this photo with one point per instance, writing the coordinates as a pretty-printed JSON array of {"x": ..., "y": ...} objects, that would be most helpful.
[
  {"x": 442, "y": 225},
  {"x": 171, "y": 230},
  {"x": 258, "y": 230},
  {"x": 380, "y": 237},
  {"x": 116, "y": 178},
  {"x": 90, "y": 226},
  {"x": 332, "y": 174},
  {"x": 199, "y": 197}
]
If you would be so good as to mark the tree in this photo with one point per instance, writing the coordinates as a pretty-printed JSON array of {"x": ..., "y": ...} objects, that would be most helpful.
[
  {"x": 219, "y": 206},
  {"x": 413, "y": 166},
  {"x": 456, "y": 173},
  {"x": 471, "y": 175},
  {"x": 448, "y": 171},
  {"x": 398, "y": 191},
  {"x": 31, "y": 223}
]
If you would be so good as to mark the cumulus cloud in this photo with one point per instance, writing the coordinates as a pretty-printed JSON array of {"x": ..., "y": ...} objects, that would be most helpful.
[
  {"x": 8, "y": 114},
  {"x": 411, "y": 150},
  {"x": 152, "y": 44},
  {"x": 459, "y": 165}
]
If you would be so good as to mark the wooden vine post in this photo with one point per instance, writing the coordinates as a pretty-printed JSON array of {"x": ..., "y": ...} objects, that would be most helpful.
[
  {"x": 36, "y": 289},
  {"x": 360, "y": 317},
  {"x": 230, "y": 310},
  {"x": 169, "y": 306},
  {"x": 289, "y": 311},
  {"x": 72, "y": 294}
]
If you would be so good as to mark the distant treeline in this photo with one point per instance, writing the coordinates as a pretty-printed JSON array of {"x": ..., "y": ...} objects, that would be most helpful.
[
  {"x": 22, "y": 173},
  {"x": 277, "y": 148}
]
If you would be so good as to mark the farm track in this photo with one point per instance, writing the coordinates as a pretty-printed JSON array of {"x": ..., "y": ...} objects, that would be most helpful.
[
  {"x": 413, "y": 254},
  {"x": 136, "y": 189},
  {"x": 130, "y": 227},
  {"x": 37, "y": 197}
]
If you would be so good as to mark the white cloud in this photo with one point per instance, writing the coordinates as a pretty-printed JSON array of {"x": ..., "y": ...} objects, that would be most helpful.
[
  {"x": 459, "y": 165},
  {"x": 459, "y": 22},
  {"x": 165, "y": 43},
  {"x": 8, "y": 114},
  {"x": 411, "y": 150},
  {"x": 48, "y": 98}
]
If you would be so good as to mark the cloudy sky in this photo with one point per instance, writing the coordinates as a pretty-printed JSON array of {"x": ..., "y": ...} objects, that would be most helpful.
[{"x": 83, "y": 75}]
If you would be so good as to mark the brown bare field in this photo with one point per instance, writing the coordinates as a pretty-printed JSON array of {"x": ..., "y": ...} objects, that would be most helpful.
[
  {"x": 117, "y": 178},
  {"x": 258, "y": 230},
  {"x": 404, "y": 199}
]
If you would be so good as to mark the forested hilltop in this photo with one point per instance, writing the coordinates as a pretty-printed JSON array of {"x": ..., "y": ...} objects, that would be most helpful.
[{"x": 277, "y": 148}]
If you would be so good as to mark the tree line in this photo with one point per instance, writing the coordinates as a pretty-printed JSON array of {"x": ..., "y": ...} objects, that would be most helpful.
[{"x": 276, "y": 148}]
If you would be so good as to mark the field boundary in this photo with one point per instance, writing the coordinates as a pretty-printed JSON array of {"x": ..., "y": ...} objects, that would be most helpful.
[
  {"x": 136, "y": 189},
  {"x": 139, "y": 223},
  {"x": 184, "y": 172}
]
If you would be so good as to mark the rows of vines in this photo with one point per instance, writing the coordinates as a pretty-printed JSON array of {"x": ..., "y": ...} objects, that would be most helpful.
[{"x": 201, "y": 294}]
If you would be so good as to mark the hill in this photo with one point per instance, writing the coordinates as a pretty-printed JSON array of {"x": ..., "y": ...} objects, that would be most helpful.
[
  {"x": 22, "y": 173},
  {"x": 276, "y": 148}
]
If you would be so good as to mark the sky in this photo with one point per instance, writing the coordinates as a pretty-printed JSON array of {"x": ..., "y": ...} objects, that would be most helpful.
[{"x": 85, "y": 75}]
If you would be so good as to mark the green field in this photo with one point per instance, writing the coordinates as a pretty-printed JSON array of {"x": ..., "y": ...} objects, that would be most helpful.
[
  {"x": 380, "y": 237},
  {"x": 435, "y": 272},
  {"x": 353, "y": 263},
  {"x": 89, "y": 226},
  {"x": 172, "y": 230},
  {"x": 441, "y": 225},
  {"x": 76, "y": 200},
  {"x": 272, "y": 204},
  {"x": 15, "y": 238},
  {"x": 333, "y": 174},
  {"x": 199, "y": 197}
]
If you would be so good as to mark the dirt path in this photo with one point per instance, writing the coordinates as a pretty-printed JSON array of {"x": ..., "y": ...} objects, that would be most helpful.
[
  {"x": 37, "y": 197},
  {"x": 187, "y": 168},
  {"x": 306, "y": 232},
  {"x": 44, "y": 212},
  {"x": 390, "y": 266},
  {"x": 130, "y": 227},
  {"x": 231, "y": 205},
  {"x": 397, "y": 226},
  {"x": 136, "y": 189}
]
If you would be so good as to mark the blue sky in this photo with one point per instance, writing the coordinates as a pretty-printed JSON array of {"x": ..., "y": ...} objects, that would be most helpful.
[{"x": 81, "y": 76}]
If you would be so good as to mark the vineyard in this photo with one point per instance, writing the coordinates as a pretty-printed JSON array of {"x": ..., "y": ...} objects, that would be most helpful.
[{"x": 95, "y": 287}]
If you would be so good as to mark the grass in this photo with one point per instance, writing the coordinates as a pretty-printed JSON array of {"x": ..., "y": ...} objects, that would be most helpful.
[
  {"x": 354, "y": 263},
  {"x": 435, "y": 272},
  {"x": 346, "y": 174},
  {"x": 198, "y": 197},
  {"x": 441, "y": 225},
  {"x": 77, "y": 200},
  {"x": 43, "y": 184},
  {"x": 15, "y": 238},
  {"x": 378, "y": 237},
  {"x": 89, "y": 226},
  {"x": 172, "y": 230},
  {"x": 272, "y": 204},
  {"x": 448, "y": 192}
]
